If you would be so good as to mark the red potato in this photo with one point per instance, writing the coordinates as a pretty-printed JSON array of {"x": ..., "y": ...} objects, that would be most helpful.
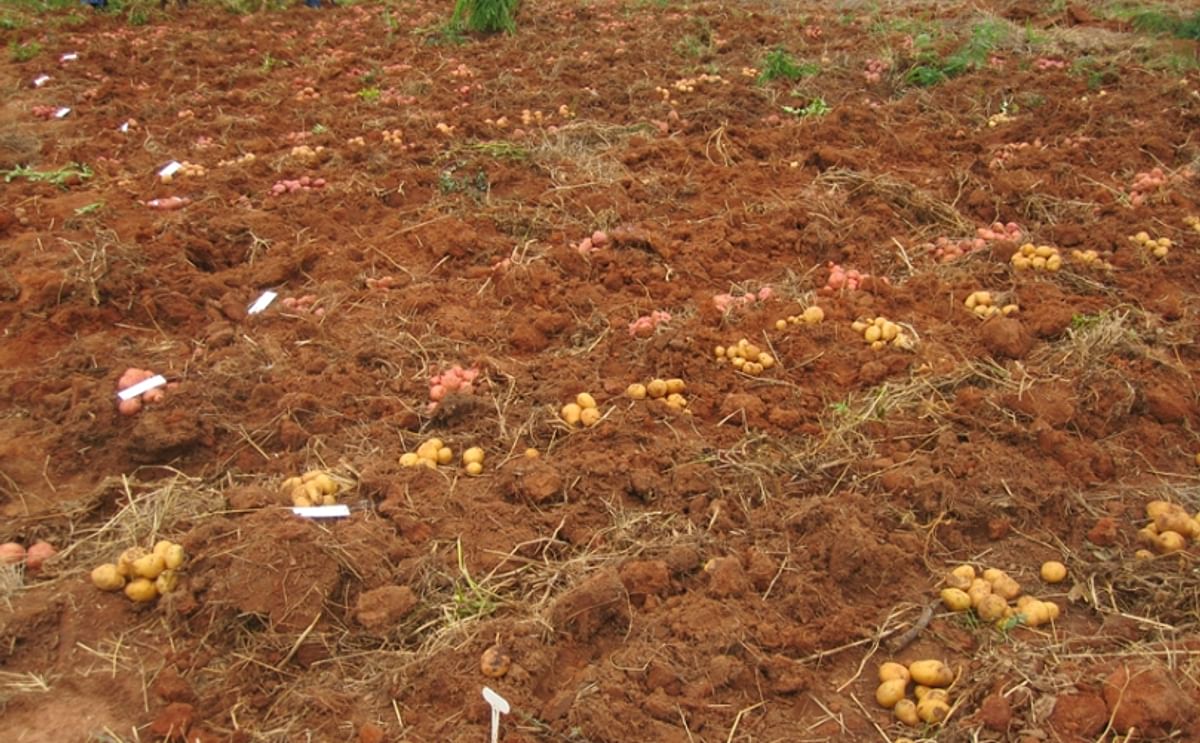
[
  {"x": 11, "y": 553},
  {"x": 38, "y": 553}
]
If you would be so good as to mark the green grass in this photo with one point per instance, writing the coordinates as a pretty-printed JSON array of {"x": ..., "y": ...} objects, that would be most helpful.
[
  {"x": 777, "y": 64},
  {"x": 485, "y": 16},
  {"x": 57, "y": 177},
  {"x": 1166, "y": 23},
  {"x": 816, "y": 107},
  {"x": 972, "y": 55},
  {"x": 369, "y": 95},
  {"x": 24, "y": 52}
]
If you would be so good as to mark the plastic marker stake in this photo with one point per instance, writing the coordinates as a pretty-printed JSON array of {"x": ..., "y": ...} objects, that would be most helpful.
[
  {"x": 262, "y": 302},
  {"x": 143, "y": 386},
  {"x": 170, "y": 168},
  {"x": 40, "y": 80},
  {"x": 62, "y": 113},
  {"x": 123, "y": 127},
  {"x": 68, "y": 57},
  {"x": 322, "y": 512},
  {"x": 499, "y": 707}
]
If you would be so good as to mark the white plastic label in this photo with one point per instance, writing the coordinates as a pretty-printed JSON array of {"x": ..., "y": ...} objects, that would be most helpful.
[
  {"x": 338, "y": 511},
  {"x": 123, "y": 127},
  {"x": 68, "y": 57},
  {"x": 262, "y": 302},
  {"x": 40, "y": 80},
  {"x": 62, "y": 113},
  {"x": 170, "y": 168},
  {"x": 141, "y": 387},
  {"x": 499, "y": 707}
]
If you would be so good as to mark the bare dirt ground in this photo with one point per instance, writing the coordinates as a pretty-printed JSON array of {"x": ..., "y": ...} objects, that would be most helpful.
[{"x": 733, "y": 570}]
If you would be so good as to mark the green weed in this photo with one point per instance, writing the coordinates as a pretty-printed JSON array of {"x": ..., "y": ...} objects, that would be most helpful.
[
  {"x": 24, "y": 52},
  {"x": 972, "y": 55},
  {"x": 484, "y": 16},
  {"x": 369, "y": 95},
  {"x": 778, "y": 64},
  {"x": 57, "y": 177},
  {"x": 815, "y": 107},
  {"x": 89, "y": 209}
]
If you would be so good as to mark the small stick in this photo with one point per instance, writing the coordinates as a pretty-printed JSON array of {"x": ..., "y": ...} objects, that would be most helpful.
[{"x": 922, "y": 622}]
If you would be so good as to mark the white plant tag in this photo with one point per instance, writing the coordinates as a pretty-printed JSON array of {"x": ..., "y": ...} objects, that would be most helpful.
[
  {"x": 262, "y": 302},
  {"x": 68, "y": 57},
  {"x": 170, "y": 168},
  {"x": 338, "y": 511},
  {"x": 40, "y": 80},
  {"x": 141, "y": 387},
  {"x": 62, "y": 113},
  {"x": 499, "y": 707}
]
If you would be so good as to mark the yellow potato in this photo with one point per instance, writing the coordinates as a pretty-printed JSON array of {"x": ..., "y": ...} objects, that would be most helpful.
[
  {"x": 445, "y": 455},
  {"x": 955, "y": 599},
  {"x": 312, "y": 491},
  {"x": 636, "y": 391},
  {"x": 813, "y": 315},
  {"x": 1156, "y": 507},
  {"x": 1052, "y": 610},
  {"x": 873, "y": 333},
  {"x": 991, "y": 608},
  {"x": 1143, "y": 555},
  {"x": 174, "y": 556},
  {"x": 906, "y": 712},
  {"x": 891, "y": 670},
  {"x": 474, "y": 469},
  {"x": 141, "y": 590},
  {"x": 1035, "y": 613},
  {"x": 311, "y": 475},
  {"x": 127, "y": 558},
  {"x": 658, "y": 388},
  {"x": 589, "y": 416},
  {"x": 1007, "y": 588},
  {"x": 290, "y": 484},
  {"x": 409, "y": 459},
  {"x": 1170, "y": 541},
  {"x": 106, "y": 577},
  {"x": 429, "y": 449},
  {"x": 930, "y": 673},
  {"x": 571, "y": 413},
  {"x": 148, "y": 566},
  {"x": 473, "y": 454},
  {"x": 1053, "y": 571},
  {"x": 890, "y": 692},
  {"x": 677, "y": 400},
  {"x": 531, "y": 453},
  {"x": 166, "y": 582},
  {"x": 1174, "y": 519},
  {"x": 161, "y": 547},
  {"x": 932, "y": 711},
  {"x": 781, "y": 324},
  {"x": 585, "y": 400},
  {"x": 326, "y": 484},
  {"x": 676, "y": 386}
]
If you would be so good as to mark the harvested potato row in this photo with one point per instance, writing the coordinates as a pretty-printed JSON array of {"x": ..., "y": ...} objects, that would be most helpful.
[
  {"x": 811, "y": 316},
  {"x": 313, "y": 488},
  {"x": 745, "y": 357},
  {"x": 989, "y": 595},
  {"x": 1156, "y": 247},
  {"x": 878, "y": 332},
  {"x": 983, "y": 305},
  {"x": 144, "y": 576},
  {"x": 930, "y": 679},
  {"x": 1091, "y": 259},
  {"x": 583, "y": 411},
  {"x": 1037, "y": 258},
  {"x": 430, "y": 453},
  {"x": 1170, "y": 529},
  {"x": 670, "y": 391}
]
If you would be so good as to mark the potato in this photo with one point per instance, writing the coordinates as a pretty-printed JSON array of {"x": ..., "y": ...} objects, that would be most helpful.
[
  {"x": 531, "y": 453},
  {"x": 409, "y": 459},
  {"x": 955, "y": 599},
  {"x": 1053, "y": 571},
  {"x": 127, "y": 558},
  {"x": 1052, "y": 610},
  {"x": 891, "y": 670},
  {"x": 991, "y": 575},
  {"x": 141, "y": 590},
  {"x": 873, "y": 333},
  {"x": 932, "y": 710},
  {"x": 311, "y": 475},
  {"x": 571, "y": 413},
  {"x": 589, "y": 416},
  {"x": 906, "y": 712},
  {"x": 658, "y": 388},
  {"x": 1148, "y": 535},
  {"x": 445, "y": 455},
  {"x": 161, "y": 547},
  {"x": 166, "y": 582},
  {"x": 1174, "y": 519},
  {"x": 312, "y": 491},
  {"x": 474, "y": 469},
  {"x": 781, "y": 324},
  {"x": 585, "y": 401},
  {"x": 494, "y": 662},
  {"x": 326, "y": 484},
  {"x": 1156, "y": 507},
  {"x": 473, "y": 454},
  {"x": 890, "y": 692},
  {"x": 106, "y": 577},
  {"x": 930, "y": 673},
  {"x": 290, "y": 484},
  {"x": 919, "y": 691},
  {"x": 174, "y": 556},
  {"x": 636, "y": 391},
  {"x": 1035, "y": 613},
  {"x": 991, "y": 608},
  {"x": 148, "y": 566},
  {"x": 813, "y": 315},
  {"x": 429, "y": 449},
  {"x": 12, "y": 553},
  {"x": 1143, "y": 555},
  {"x": 1169, "y": 541},
  {"x": 676, "y": 386},
  {"x": 1006, "y": 587}
]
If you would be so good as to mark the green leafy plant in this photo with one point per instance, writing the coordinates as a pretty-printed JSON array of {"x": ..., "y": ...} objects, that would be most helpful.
[
  {"x": 369, "y": 95},
  {"x": 972, "y": 55},
  {"x": 9, "y": 23},
  {"x": 58, "y": 177},
  {"x": 319, "y": 129},
  {"x": 778, "y": 64},
  {"x": 24, "y": 52},
  {"x": 91, "y": 208},
  {"x": 484, "y": 16},
  {"x": 815, "y": 107}
]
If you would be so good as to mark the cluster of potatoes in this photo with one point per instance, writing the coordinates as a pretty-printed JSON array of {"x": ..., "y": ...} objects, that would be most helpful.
[
  {"x": 1156, "y": 247},
  {"x": 1193, "y": 222},
  {"x": 1170, "y": 529},
  {"x": 143, "y": 575},
  {"x": 247, "y": 158},
  {"x": 394, "y": 137},
  {"x": 1036, "y": 257},
  {"x": 670, "y": 391},
  {"x": 983, "y": 305},
  {"x": 1091, "y": 259},
  {"x": 989, "y": 595},
  {"x": 582, "y": 412},
  {"x": 187, "y": 169},
  {"x": 307, "y": 154},
  {"x": 745, "y": 357},
  {"x": 313, "y": 488},
  {"x": 930, "y": 679},
  {"x": 878, "y": 332},
  {"x": 434, "y": 452},
  {"x": 810, "y": 316}
]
